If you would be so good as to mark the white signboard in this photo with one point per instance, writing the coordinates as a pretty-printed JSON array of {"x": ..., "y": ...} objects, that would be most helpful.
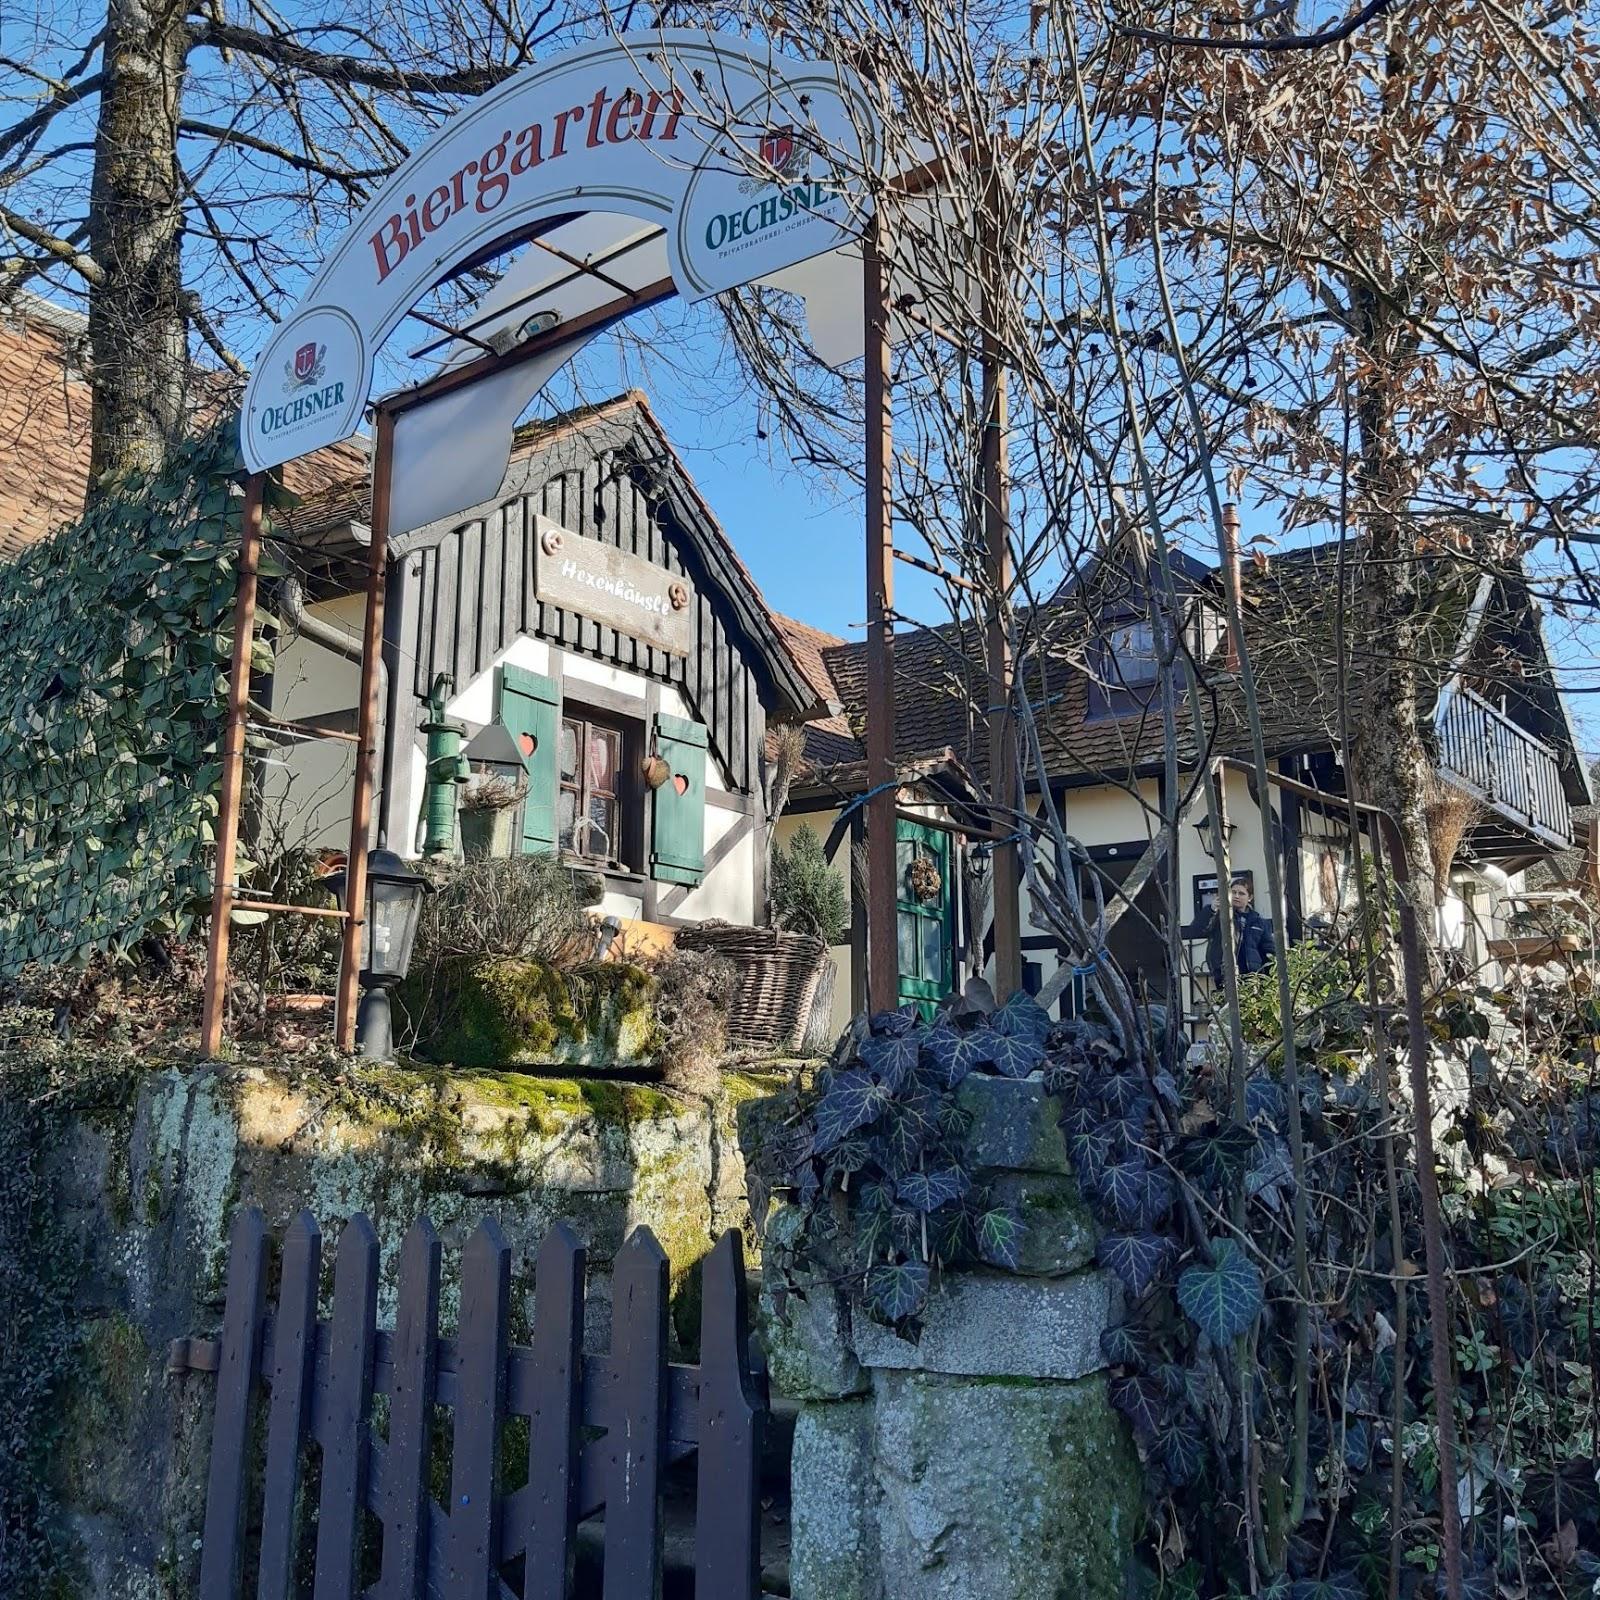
[
  {"x": 614, "y": 587},
  {"x": 745, "y": 157}
]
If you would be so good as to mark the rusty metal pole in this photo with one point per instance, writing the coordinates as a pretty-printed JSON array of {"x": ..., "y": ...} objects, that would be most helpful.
[
  {"x": 1006, "y": 898},
  {"x": 1420, "y": 1048},
  {"x": 355, "y": 879},
  {"x": 883, "y": 966},
  {"x": 222, "y": 891}
]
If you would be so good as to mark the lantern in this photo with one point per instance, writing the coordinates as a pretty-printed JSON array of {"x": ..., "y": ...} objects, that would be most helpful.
[{"x": 394, "y": 907}]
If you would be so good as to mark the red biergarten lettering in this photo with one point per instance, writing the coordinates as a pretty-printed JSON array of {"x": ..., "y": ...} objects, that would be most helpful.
[{"x": 491, "y": 175}]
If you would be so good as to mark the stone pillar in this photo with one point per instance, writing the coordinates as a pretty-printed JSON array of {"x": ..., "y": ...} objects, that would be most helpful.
[{"x": 983, "y": 1462}]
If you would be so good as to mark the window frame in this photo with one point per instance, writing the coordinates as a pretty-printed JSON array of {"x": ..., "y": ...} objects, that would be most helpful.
[
  {"x": 627, "y": 850},
  {"x": 1111, "y": 692}
]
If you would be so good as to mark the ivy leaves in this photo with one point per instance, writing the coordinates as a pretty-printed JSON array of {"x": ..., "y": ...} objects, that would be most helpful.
[
  {"x": 897, "y": 1291},
  {"x": 927, "y": 1191},
  {"x": 1222, "y": 1296},
  {"x": 1187, "y": 1296},
  {"x": 852, "y": 1100},
  {"x": 112, "y": 685},
  {"x": 884, "y": 1132},
  {"x": 1140, "y": 1260}
]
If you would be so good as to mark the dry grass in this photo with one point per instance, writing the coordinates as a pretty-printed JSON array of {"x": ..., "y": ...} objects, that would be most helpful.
[{"x": 1451, "y": 816}]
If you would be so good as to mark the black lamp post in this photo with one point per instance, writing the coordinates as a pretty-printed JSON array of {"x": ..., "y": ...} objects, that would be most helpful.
[{"x": 394, "y": 907}]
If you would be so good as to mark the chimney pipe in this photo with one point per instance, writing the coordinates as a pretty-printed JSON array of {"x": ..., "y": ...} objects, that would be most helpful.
[{"x": 1230, "y": 551}]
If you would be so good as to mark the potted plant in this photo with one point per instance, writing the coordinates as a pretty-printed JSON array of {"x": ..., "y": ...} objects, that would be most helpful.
[
  {"x": 809, "y": 897},
  {"x": 491, "y": 803}
]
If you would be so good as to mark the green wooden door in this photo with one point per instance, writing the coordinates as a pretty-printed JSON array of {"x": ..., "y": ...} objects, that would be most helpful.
[{"x": 925, "y": 922}]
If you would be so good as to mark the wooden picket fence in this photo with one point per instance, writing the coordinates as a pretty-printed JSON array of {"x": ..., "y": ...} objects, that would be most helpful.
[{"x": 600, "y": 1430}]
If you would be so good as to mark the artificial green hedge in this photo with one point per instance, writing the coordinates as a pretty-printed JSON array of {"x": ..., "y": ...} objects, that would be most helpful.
[{"x": 117, "y": 631}]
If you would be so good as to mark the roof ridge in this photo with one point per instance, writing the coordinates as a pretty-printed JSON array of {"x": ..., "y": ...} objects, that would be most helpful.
[{"x": 26, "y": 307}]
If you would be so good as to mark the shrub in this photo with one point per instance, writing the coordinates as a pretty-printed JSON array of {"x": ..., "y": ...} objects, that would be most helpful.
[
  {"x": 808, "y": 896},
  {"x": 1323, "y": 987},
  {"x": 526, "y": 907},
  {"x": 694, "y": 992}
]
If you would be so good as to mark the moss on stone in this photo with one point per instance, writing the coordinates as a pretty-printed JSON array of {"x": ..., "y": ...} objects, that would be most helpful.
[
  {"x": 100, "y": 1409},
  {"x": 506, "y": 1010}
]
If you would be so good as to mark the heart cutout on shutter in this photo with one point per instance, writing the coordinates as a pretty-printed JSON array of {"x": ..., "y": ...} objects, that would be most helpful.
[
  {"x": 680, "y": 783},
  {"x": 527, "y": 744}
]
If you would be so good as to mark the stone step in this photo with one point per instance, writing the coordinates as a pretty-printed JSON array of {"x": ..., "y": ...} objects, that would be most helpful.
[{"x": 677, "y": 1544}]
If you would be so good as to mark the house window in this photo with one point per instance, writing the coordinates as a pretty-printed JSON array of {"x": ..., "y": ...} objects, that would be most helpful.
[
  {"x": 594, "y": 810},
  {"x": 1124, "y": 665}
]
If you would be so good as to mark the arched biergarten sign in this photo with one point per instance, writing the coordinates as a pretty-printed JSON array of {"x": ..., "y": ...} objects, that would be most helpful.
[
  {"x": 747, "y": 161},
  {"x": 740, "y": 154}
]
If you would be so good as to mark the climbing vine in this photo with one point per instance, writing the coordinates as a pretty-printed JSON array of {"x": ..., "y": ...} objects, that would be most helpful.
[
  {"x": 118, "y": 634},
  {"x": 1194, "y": 1205},
  {"x": 37, "y": 1337},
  {"x": 876, "y": 1157}
]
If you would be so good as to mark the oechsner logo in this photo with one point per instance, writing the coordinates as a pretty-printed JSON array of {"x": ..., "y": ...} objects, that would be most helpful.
[
  {"x": 304, "y": 372},
  {"x": 786, "y": 155}
]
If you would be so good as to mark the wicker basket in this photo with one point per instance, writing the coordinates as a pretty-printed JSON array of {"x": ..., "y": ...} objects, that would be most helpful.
[{"x": 778, "y": 975}]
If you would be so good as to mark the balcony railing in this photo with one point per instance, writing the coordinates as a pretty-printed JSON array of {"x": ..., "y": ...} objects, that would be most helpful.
[{"x": 1505, "y": 766}]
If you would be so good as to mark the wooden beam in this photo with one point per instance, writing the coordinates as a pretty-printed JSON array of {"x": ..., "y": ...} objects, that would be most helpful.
[
  {"x": 222, "y": 891},
  {"x": 355, "y": 877}
]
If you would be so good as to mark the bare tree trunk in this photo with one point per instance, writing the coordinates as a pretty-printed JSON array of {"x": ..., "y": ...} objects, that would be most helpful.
[
  {"x": 1389, "y": 757},
  {"x": 137, "y": 326}
]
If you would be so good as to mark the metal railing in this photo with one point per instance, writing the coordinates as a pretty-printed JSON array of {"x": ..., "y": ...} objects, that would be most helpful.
[{"x": 1504, "y": 765}]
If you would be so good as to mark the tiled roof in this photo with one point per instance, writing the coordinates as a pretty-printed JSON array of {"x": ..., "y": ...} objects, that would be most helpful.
[
  {"x": 829, "y": 740},
  {"x": 44, "y": 426},
  {"x": 941, "y": 686}
]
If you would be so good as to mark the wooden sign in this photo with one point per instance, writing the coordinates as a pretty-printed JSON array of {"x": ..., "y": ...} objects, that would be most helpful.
[{"x": 614, "y": 588}]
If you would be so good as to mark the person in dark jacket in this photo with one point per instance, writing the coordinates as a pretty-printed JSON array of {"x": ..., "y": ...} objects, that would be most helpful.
[{"x": 1252, "y": 935}]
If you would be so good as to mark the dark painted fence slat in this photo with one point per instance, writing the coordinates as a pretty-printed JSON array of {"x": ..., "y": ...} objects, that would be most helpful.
[
  {"x": 728, "y": 1513},
  {"x": 324, "y": 1377},
  {"x": 555, "y": 1415},
  {"x": 413, "y": 1354},
  {"x": 475, "y": 1460},
  {"x": 294, "y": 1358},
  {"x": 230, "y": 1433},
  {"x": 347, "y": 1406},
  {"x": 636, "y": 1428}
]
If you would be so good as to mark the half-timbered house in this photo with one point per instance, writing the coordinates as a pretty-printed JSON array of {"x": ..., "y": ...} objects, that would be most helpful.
[{"x": 595, "y": 609}]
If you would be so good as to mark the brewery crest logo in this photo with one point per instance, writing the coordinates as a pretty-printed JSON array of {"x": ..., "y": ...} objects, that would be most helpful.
[
  {"x": 780, "y": 151},
  {"x": 307, "y": 368}
]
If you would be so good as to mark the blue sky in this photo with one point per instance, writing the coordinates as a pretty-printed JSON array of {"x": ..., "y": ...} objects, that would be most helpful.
[{"x": 798, "y": 532}]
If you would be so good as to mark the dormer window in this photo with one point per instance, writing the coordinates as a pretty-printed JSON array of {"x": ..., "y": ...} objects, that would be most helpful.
[{"x": 1124, "y": 666}]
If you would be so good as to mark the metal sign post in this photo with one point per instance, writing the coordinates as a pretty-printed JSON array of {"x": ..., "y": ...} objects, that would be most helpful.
[
  {"x": 222, "y": 893},
  {"x": 883, "y": 945},
  {"x": 355, "y": 875}
]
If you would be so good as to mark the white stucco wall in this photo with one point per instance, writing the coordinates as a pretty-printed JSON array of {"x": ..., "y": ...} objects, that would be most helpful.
[
  {"x": 728, "y": 890},
  {"x": 307, "y": 785}
]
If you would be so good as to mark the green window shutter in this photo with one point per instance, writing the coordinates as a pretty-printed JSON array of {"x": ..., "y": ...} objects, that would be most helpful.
[
  {"x": 679, "y": 851},
  {"x": 529, "y": 708}
]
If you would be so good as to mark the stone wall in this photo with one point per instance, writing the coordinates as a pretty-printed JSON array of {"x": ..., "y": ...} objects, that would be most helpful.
[
  {"x": 146, "y": 1190},
  {"x": 984, "y": 1461}
]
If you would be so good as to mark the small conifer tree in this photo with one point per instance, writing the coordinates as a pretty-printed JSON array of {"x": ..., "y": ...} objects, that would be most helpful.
[{"x": 808, "y": 896}]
